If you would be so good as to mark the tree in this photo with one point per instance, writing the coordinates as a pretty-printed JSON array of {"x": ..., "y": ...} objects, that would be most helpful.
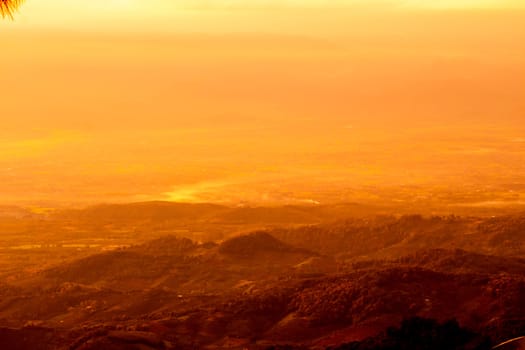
[{"x": 423, "y": 334}]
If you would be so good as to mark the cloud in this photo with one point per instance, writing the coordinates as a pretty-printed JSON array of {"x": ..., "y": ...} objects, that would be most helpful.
[{"x": 19, "y": 148}]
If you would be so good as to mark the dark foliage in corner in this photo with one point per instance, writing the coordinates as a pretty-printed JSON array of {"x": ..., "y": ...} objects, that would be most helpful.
[{"x": 423, "y": 334}]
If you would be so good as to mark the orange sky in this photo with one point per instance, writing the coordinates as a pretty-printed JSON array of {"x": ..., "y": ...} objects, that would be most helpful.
[{"x": 131, "y": 99}]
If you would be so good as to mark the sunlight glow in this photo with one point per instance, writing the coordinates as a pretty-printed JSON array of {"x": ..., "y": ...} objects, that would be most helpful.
[{"x": 197, "y": 15}]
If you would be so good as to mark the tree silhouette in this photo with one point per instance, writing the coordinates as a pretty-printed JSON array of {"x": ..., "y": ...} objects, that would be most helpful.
[{"x": 423, "y": 334}]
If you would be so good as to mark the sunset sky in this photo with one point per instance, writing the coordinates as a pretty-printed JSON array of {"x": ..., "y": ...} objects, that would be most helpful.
[{"x": 124, "y": 100}]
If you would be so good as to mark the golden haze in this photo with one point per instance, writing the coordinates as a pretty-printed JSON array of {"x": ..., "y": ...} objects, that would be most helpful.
[
  {"x": 262, "y": 174},
  {"x": 130, "y": 100}
]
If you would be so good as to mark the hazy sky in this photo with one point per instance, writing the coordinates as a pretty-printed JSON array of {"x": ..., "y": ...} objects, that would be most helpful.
[{"x": 129, "y": 99}]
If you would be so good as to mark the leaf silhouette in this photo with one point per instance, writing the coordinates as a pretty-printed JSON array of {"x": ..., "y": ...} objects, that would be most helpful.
[{"x": 8, "y": 7}]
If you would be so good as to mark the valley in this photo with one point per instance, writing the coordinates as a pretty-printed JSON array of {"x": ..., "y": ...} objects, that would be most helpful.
[{"x": 185, "y": 276}]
